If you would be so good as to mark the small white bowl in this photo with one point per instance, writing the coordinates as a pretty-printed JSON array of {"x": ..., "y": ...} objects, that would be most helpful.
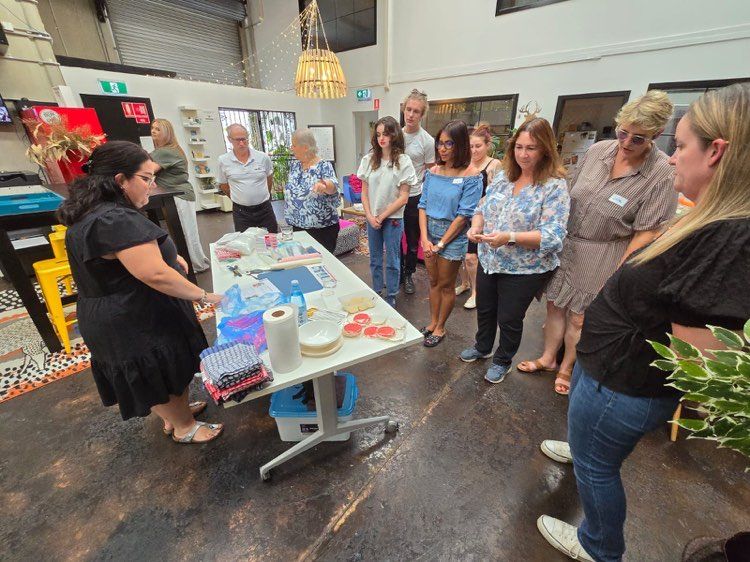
[{"x": 318, "y": 334}]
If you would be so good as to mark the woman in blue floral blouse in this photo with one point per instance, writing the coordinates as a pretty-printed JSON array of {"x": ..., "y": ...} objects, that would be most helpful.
[
  {"x": 519, "y": 226},
  {"x": 311, "y": 192}
]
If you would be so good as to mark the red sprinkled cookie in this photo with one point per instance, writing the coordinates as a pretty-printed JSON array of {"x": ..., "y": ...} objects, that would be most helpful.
[
  {"x": 386, "y": 332},
  {"x": 352, "y": 330},
  {"x": 362, "y": 319},
  {"x": 371, "y": 331}
]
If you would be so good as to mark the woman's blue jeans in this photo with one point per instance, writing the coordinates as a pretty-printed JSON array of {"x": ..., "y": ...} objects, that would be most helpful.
[
  {"x": 603, "y": 428},
  {"x": 389, "y": 237}
]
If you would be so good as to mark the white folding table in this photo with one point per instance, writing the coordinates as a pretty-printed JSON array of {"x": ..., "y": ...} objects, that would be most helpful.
[{"x": 321, "y": 370}]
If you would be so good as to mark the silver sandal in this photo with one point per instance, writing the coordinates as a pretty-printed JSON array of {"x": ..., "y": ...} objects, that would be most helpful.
[{"x": 190, "y": 435}]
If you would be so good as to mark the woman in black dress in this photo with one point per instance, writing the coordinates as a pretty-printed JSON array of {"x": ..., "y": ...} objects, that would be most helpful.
[{"x": 134, "y": 308}]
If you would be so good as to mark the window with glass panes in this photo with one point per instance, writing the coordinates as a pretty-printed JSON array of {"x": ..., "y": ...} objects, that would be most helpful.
[
  {"x": 510, "y": 6},
  {"x": 267, "y": 129},
  {"x": 348, "y": 24},
  {"x": 497, "y": 111},
  {"x": 682, "y": 95}
]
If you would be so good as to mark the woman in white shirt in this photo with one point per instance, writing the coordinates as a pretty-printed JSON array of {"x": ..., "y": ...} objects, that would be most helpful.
[{"x": 387, "y": 174}]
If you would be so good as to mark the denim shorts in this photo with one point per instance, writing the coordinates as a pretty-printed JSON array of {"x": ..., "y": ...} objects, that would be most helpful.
[{"x": 455, "y": 250}]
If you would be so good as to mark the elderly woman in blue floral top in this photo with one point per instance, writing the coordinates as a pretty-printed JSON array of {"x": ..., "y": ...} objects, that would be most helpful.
[
  {"x": 519, "y": 226},
  {"x": 311, "y": 193}
]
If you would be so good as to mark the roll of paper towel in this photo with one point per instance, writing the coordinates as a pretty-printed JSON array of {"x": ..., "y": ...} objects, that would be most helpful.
[{"x": 282, "y": 336}]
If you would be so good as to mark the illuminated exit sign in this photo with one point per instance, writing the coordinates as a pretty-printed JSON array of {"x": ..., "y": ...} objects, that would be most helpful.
[
  {"x": 115, "y": 88},
  {"x": 364, "y": 95}
]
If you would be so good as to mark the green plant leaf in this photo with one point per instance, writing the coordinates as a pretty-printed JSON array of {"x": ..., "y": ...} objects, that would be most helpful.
[
  {"x": 692, "y": 425},
  {"x": 746, "y": 330},
  {"x": 721, "y": 369},
  {"x": 683, "y": 348},
  {"x": 730, "y": 358},
  {"x": 686, "y": 385},
  {"x": 664, "y": 365},
  {"x": 727, "y": 337},
  {"x": 663, "y": 350},
  {"x": 692, "y": 370},
  {"x": 697, "y": 397},
  {"x": 730, "y": 406}
]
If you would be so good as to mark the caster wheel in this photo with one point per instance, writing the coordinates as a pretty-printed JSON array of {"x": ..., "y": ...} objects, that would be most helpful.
[
  {"x": 391, "y": 427},
  {"x": 266, "y": 477}
]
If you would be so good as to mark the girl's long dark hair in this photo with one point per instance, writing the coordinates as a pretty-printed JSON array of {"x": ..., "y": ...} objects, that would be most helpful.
[
  {"x": 99, "y": 185},
  {"x": 398, "y": 146}
]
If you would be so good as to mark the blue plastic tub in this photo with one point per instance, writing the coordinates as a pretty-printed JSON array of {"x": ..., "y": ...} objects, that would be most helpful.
[
  {"x": 295, "y": 421},
  {"x": 31, "y": 203}
]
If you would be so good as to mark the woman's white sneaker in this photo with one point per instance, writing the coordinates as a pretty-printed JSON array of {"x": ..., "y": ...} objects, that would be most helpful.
[
  {"x": 557, "y": 450},
  {"x": 563, "y": 537}
]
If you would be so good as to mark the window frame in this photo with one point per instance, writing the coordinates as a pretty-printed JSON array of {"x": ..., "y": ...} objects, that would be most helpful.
[
  {"x": 257, "y": 115},
  {"x": 301, "y": 5},
  {"x": 625, "y": 94},
  {"x": 501, "y": 97},
  {"x": 500, "y": 11}
]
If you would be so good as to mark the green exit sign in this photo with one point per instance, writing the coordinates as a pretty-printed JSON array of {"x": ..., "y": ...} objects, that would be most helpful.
[
  {"x": 109, "y": 87},
  {"x": 364, "y": 95}
]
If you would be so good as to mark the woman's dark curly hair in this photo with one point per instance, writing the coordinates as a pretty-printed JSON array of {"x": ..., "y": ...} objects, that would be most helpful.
[
  {"x": 392, "y": 129},
  {"x": 99, "y": 185}
]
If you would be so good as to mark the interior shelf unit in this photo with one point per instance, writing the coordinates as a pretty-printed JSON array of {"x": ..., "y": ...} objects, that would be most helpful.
[{"x": 206, "y": 191}]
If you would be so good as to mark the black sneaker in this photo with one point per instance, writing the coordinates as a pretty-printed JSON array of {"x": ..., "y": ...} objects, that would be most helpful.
[{"x": 409, "y": 285}]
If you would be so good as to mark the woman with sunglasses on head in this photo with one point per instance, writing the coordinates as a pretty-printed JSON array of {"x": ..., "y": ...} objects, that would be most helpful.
[
  {"x": 387, "y": 175},
  {"x": 171, "y": 173},
  {"x": 134, "y": 302},
  {"x": 621, "y": 195},
  {"x": 450, "y": 193},
  {"x": 695, "y": 274},
  {"x": 481, "y": 145}
]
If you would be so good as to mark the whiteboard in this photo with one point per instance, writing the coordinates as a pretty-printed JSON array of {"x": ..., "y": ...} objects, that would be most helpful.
[{"x": 324, "y": 137}]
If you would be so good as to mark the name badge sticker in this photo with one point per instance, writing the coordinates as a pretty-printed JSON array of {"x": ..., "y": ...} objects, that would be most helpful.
[
  {"x": 458, "y": 181},
  {"x": 618, "y": 200}
]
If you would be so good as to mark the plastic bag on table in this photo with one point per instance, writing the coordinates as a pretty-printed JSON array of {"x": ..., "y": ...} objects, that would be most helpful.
[
  {"x": 247, "y": 328},
  {"x": 237, "y": 304}
]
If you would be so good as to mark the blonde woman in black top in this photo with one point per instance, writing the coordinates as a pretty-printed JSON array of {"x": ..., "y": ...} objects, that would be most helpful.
[{"x": 694, "y": 274}]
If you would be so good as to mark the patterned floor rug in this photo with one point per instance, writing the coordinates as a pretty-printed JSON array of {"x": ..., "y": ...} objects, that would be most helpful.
[{"x": 25, "y": 362}]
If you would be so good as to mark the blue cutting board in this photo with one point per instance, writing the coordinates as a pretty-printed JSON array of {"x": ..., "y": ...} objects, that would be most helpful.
[{"x": 283, "y": 278}]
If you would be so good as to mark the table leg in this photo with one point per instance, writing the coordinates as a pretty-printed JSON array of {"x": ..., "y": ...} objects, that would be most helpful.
[
  {"x": 25, "y": 288},
  {"x": 178, "y": 236},
  {"x": 328, "y": 426}
]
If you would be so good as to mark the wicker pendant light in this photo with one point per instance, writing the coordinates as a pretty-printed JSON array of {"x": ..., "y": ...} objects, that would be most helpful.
[{"x": 319, "y": 72}]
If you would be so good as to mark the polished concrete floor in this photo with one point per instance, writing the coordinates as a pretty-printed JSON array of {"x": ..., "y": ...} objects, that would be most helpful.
[{"x": 462, "y": 480}]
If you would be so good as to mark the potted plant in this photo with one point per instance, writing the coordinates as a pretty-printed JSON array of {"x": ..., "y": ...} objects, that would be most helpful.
[{"x": 719, "y": 382}]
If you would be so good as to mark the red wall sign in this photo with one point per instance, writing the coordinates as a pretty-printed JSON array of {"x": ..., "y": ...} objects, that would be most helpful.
[
  {"x": 376, "y": 103},
  {"x": 137, "y": 111}
]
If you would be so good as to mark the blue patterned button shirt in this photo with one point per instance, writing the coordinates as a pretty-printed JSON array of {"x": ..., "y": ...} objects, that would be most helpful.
[
  {"x": 542, "y": 207},
  {"x": 305, "y": 209}
]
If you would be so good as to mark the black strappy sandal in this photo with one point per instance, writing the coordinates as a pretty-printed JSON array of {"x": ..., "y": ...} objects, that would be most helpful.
[{"x": 432, "y": 340}]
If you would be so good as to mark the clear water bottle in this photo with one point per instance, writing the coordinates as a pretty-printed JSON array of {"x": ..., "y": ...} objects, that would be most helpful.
[{"x": 297, "y": 297}]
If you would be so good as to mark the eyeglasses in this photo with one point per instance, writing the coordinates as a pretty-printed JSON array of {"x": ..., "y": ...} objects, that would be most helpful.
[
  {"x": 446, "y": 144},
  {"x": 635, "y": 139},
  {"x": 150, "y": 180},
  {"x": 239, "y": 139}
]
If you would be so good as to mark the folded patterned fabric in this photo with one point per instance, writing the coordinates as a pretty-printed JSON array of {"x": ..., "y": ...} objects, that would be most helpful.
[
  {"x": 229, "y": 359},
  {"x": 223, "y": 254},
  {"x": 229, "y": 381},
  {"x": 225, "y": 394}
]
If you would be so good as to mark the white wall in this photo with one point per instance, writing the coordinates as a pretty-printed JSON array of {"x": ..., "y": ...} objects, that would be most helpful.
[
  {"x": 167, "y": 94},
  {"x": 278, "y": 52},
  {"x": 454, "y": 50}
]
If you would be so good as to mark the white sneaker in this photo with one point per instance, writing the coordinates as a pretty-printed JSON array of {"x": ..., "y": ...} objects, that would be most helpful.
[
  {"x": 470, "y": 303},
  {"x": 557, "y": 450},
  {"x": 563, "y": 537}
]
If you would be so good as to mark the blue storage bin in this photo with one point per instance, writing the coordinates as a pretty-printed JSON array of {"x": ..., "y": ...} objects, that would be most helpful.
[
  {"x": 295, "y": 421},
  {"x": 31, "y": 203}
]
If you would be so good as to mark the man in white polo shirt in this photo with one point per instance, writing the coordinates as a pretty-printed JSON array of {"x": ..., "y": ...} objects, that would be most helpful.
[{"x": 245, "y": 175}]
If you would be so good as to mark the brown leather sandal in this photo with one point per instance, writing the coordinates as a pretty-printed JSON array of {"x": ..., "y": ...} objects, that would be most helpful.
[
  {"x": 536, "y": 367},
  {"x": 563, "y": 380}
]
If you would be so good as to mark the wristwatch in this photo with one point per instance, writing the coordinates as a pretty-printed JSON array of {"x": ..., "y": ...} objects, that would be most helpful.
[
  {"x": 511, "y": 239},
  {"x": 440, "y": 245}
]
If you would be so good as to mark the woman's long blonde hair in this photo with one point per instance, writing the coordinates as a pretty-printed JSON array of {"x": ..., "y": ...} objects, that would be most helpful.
[
  {"x": 171, "y": 140},
  {"x": 720, "y": 114}
]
